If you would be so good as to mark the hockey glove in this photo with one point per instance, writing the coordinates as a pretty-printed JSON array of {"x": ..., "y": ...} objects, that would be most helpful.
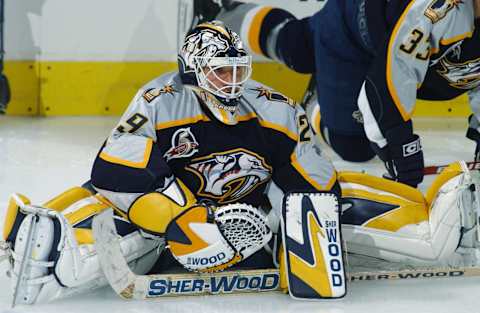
[
  {"x": 403, "y": 155},
  {"x": 203, "y": 241},
  {"x": 474, "y": 134}
]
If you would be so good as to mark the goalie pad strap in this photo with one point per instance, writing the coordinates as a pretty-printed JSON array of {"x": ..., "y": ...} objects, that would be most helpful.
[{"x": 312, "y": 242}]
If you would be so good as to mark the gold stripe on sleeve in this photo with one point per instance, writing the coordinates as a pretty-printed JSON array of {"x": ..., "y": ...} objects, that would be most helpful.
[
  {"x": 279, "y": 128},
  {"x": 390, "y": 54},
  {"x": 184, "y": 121},
  {"x": 255, "y": 27},
  {"x": 141, "y": 164},
  {"x": 309, "y": 179},
  {"x": 266, "y": 124},
  {"x": 448, "y": 41}
]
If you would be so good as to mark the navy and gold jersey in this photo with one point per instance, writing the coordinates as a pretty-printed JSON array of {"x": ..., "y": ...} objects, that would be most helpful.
[
  {"x": 455, "y": 72},
  {"x": 432, "y": 52},
  {"x": 254, "y": 156},
  {"x": 379, "y": 56}
]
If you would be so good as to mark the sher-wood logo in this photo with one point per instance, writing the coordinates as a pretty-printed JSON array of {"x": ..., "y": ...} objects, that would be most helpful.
[
  {"x": 225, "y": 283},
  {"x": 407, "y": 275}
]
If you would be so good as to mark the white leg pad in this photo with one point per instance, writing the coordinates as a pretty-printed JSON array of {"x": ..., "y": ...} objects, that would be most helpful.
[
  {"x": 41, "y": 246},
  {"x": 431, "y": 242},
  {"x": 75, "y": 268}
]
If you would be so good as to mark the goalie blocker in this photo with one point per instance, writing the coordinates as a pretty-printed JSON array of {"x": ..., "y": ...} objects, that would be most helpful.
[{"x": 312, "y": 245}]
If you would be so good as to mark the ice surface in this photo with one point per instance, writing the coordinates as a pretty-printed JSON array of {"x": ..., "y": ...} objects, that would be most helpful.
[{"x": 41, "y": 157}]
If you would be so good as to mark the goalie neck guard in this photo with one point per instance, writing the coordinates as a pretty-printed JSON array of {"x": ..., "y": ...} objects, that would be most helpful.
[{"x": 213, "y": 59}]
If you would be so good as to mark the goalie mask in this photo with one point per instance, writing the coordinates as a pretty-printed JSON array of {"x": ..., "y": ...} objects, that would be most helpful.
[{"x": 213, "y": 59}]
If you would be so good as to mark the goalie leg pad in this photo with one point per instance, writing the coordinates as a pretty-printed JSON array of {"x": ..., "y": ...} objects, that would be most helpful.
[
  {"x": 34, "y": 238},
  {"x": 56, "y": 265},
  {"x": 206, "y": 242},
  {"x": 13, "y": 218},
  {"x": 312, "y": 242},
  {"x": 412, "y": 229}
]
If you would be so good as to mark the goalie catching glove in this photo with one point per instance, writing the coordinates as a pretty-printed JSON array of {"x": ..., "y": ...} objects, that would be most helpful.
[
  {"x": 206, "y": 241},
  {"x": 199, "y": 239}
]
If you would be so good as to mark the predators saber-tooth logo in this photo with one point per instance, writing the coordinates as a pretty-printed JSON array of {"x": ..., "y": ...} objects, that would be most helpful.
[
  {"x": 438, "y": 9},
  {"x": 229, "y": 176},
  {"x": 461, "y": 75}
]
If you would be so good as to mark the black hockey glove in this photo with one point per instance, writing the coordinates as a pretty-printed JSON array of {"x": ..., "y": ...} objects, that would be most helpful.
[
  {"x": 403, "y": 155},
  {"x": 473, "y": 134}
]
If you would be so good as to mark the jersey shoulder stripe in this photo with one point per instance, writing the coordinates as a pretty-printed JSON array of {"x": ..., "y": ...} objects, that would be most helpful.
[
  {"x": 172, "y": 102},
  {"x": 273, "y": 109}
]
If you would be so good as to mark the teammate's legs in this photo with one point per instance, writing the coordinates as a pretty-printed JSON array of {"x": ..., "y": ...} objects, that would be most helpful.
[
  {"x": 353, "y": 148},
  {"x": 342, "y": 63},
  {"x": 270, "y": 32},
  {"x": 325, "y": 45}
]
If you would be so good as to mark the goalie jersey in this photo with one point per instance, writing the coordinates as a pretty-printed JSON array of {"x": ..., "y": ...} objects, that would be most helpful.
[{"x": 254, "y": 156}]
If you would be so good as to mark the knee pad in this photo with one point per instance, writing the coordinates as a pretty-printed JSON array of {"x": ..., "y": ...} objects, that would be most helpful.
[
  {"x": 352, "y": 148},
  {"x": 14, "y": 216}
]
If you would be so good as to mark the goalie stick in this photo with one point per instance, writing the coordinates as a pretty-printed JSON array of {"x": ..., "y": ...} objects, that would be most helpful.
[
  {"x": 132, "y": 286},
  {"x": 436, "y": 169}
]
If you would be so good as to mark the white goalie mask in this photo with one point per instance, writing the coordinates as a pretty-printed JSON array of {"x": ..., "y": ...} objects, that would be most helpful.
[
  {"x": 213, "y": 59},
  {"x": 223, "y": 76}
]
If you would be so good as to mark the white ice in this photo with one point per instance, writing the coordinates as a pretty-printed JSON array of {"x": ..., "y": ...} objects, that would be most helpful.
[{"x": 40, "y": 157}]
